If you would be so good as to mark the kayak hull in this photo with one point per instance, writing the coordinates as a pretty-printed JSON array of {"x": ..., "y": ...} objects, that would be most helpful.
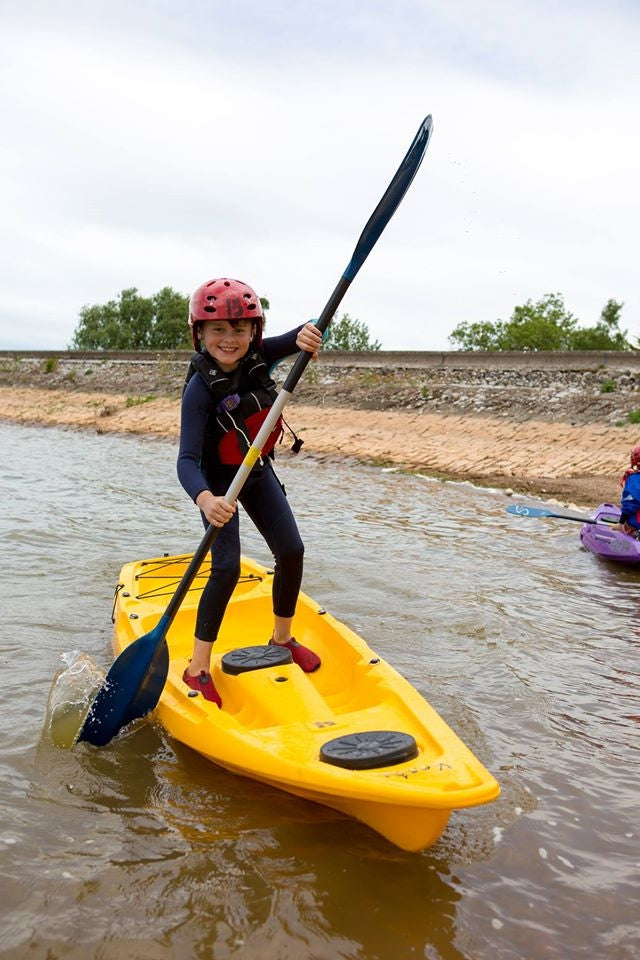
[
  {"x": 354, "y": 735},
  {"x": 611, "y": 544}
]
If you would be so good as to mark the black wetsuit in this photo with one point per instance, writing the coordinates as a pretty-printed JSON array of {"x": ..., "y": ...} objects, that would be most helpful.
[{"x": 262, "y": 497}]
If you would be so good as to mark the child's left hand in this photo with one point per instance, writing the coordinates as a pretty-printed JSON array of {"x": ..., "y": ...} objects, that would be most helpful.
[{"x": 310, "y": 339}]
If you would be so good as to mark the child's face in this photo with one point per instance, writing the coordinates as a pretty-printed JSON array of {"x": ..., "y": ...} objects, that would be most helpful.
[{"x": 227, "y": 343}]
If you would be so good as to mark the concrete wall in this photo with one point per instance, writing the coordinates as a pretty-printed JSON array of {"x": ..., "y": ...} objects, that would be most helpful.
[{"x": 390, "y": 359}]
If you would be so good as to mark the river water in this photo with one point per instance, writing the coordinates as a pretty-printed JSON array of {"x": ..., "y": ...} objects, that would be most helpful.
[{"x": 527, "y": 645}]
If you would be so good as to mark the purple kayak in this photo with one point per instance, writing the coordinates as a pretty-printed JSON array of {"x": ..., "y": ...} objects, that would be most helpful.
[{"x": 600, "y": 538}]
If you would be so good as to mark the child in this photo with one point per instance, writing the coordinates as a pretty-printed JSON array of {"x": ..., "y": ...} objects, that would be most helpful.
[
  {"x": 630, "y": 499},
  {"x": 225, "y": 401}
]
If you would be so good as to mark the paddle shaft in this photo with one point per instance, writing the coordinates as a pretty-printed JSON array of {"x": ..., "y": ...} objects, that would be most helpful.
[
  {"x": 135, "y": 681},
  {"x": 368, "y": 238}
]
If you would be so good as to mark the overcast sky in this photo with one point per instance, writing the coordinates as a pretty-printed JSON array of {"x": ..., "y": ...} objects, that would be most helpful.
[{"x": 155, "y": 143}]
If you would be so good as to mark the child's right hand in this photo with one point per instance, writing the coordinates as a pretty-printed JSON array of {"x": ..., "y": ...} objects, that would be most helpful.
[{"x": 216, "y": 509}]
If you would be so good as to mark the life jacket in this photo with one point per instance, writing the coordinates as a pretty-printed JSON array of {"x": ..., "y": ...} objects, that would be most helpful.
[
  {"x": 238, "y": 417},
  {"x": 630, "y": 499},
  {"x": 625, "y": 476}
]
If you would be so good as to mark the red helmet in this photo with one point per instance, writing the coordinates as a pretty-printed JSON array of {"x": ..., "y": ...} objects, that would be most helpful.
[
  {"x": 224, "y": 299},
  {"x": 635, "y": 457}
]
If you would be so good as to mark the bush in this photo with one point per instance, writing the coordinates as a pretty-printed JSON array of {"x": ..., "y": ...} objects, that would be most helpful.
[
  {"x": 348, "y": 334},
  {"x": 545, "y": 324},
  {"x": 133, "y": 322}
]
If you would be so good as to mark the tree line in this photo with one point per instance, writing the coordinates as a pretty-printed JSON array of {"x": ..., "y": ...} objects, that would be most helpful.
[
  {"x": 544, "y": 324},
  {"x": 159, "y": 322}
]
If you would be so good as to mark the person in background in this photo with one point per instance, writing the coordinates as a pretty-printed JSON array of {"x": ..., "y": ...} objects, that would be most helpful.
[
  {"x": 630, "y": 498},
  {"x": 226, "y": 399}
]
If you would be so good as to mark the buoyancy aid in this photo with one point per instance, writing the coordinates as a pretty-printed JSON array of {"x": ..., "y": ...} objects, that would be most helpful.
[
  {"x": 630, "y": 499},
  {"x": 238, "y": 416}
]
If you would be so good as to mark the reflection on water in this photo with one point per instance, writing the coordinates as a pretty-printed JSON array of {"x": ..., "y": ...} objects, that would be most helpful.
[{"x": 526, "y": 644}]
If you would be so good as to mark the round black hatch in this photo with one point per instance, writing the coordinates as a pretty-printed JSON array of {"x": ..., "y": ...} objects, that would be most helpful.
[
  {"x": 366, "y": 751},
  {"x": 255, "y": 658}
]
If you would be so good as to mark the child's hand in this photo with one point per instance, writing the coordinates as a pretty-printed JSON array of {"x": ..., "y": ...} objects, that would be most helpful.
[
  {"x": 310, "y": 339},
  {"x": 216, "y": 509}
]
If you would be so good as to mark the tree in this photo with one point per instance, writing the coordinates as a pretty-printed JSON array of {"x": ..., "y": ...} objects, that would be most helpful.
[
  {"x": 606, "y": 335},
  {"x": 480, "y": 335},
  {"x": 348, "y": 334},
  {"x": 132, "y": 322},
  {"x": 545, "y": 324},
  {"x": 169, "y": 325}
]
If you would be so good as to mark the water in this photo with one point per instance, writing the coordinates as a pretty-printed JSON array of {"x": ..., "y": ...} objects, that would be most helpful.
[{"x": 526, "y": 644}]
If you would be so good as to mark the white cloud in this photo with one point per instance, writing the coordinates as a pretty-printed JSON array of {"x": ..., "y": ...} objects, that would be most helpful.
[{"x": 152, "y": 144}]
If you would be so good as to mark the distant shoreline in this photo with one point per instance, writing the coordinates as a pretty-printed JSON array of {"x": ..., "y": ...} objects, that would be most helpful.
[{"x": 574, "y": 464}]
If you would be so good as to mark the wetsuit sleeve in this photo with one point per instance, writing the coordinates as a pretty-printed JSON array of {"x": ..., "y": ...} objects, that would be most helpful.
[
  {"x": 197, "y": 405},
  {"x": 277, "y": 348}
]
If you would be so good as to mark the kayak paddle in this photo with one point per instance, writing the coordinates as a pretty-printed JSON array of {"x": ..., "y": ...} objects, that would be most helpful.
[
  {"x": 521, "y": 510},
  {"x": 134, "y": 683}
]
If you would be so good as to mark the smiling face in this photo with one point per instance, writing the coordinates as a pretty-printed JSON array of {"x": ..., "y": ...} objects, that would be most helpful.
[{"x": 227, "y": 342}]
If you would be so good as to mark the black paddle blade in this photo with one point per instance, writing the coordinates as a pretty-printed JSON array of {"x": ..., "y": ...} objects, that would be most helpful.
[
  {"x": 131, "y": 689},
  {"x": 393, "y": 195},
  {"x": 374, "y": 226}
]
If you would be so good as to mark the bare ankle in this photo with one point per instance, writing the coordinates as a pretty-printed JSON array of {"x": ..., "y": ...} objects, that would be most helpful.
[{"x": 194, "y": 670}]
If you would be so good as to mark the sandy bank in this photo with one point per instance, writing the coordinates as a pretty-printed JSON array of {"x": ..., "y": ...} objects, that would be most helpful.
[{"x": 577, "y": 464}]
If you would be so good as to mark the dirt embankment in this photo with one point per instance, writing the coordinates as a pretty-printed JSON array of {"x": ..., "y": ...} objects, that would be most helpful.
[{"x": 551, "y": 432}]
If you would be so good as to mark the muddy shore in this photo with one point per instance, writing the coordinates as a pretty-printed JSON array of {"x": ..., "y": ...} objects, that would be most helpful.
[{"x": 517, "y": 438}]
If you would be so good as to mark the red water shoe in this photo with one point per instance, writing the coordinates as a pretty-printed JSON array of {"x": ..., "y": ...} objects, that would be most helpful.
[
  {"x": 204, "y": 685},
  {"x": 306, "y": 659}
]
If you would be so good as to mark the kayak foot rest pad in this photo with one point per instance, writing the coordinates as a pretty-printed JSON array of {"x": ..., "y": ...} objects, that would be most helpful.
[
  {"x": 368, "y": 750},
  {"x": 245, "y": 659}
]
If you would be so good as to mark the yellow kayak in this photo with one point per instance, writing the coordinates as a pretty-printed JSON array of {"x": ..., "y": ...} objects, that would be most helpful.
[{"x": 354, "y": 735}]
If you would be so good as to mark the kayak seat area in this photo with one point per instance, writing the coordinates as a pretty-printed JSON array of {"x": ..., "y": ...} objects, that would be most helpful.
[
  {"x": 268, "y": 695},
  {"x": 355, "y": 687}
]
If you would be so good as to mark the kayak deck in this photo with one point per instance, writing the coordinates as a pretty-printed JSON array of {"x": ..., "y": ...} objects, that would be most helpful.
[
  {"x": 401, "y": 769},
  {"x": 600, "y": 538}
]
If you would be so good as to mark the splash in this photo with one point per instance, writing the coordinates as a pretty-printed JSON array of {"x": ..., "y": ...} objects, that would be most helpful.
[{"x": 73, "y": 690}]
